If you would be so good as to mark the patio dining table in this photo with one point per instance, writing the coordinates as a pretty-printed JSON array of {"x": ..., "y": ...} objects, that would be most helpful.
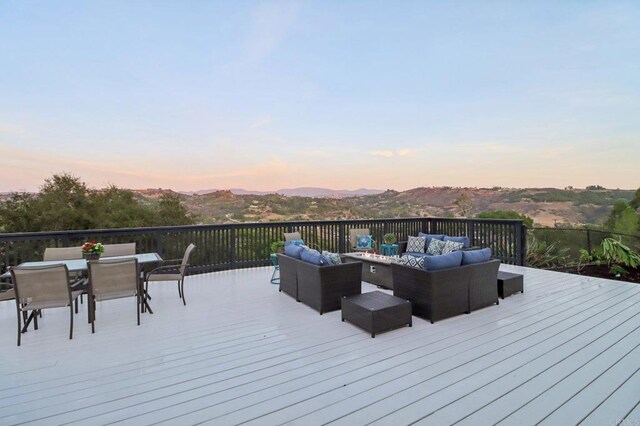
[{"x": 80, "y": 265}]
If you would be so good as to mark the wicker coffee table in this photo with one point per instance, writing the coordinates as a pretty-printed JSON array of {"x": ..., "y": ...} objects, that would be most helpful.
[
  {"x": 376, "y": 311},
  {"x": 376, "y": 269}
]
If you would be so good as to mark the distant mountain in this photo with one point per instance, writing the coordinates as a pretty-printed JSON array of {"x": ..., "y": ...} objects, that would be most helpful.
[
  {"x": 328, "y": 193},
  {"x": 297, "y": 192}
]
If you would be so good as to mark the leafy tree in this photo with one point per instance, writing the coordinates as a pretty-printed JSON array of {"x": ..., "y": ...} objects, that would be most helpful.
[
  {"x": 627, "y": 222},
  {"x": 616, "y": 213},
  {"x": 172, "y": 212},
  {"x": 464, "y": 204},
  {"x": 507, "y": 214},
  {"x": 65, "y": 203},
  {"x": 635, "y": 203}
]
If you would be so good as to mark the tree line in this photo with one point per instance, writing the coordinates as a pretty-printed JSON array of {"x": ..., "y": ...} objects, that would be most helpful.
[{"x": 64, "y": 202}]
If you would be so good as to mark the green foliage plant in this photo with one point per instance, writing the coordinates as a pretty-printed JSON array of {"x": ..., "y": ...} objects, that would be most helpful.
[
  {"x": 390, "y": 238},
  {"x": 277, "y": 247},
  {"x": 541, "y": 254},
  {"x": 618, "y": 256}
]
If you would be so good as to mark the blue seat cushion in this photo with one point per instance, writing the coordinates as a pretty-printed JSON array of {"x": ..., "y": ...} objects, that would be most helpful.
[
  {"x": 315, "y": 258},
  {"x": 294, "y": 250},
  {"x": 443, "y": 261},
  {"x": 476, "y": 256},
  {"x": 463, "y": 240},
  {"x": 430, "y": 237}
]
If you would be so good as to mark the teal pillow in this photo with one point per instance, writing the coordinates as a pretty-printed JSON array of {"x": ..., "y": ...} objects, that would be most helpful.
[
  {"x": 295, "y": 242},
  {"x": 364, "y": 242}
]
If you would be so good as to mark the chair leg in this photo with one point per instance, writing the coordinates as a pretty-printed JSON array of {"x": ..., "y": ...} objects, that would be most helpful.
[
  {"x": 19, "y": 325},
  {"x": 71, "y": 320},
  {"x": 184, "y": 301},
  {"x": 92, "y": 312},
  {"x": 35, "y": 319},
  {"x": 138, "y": 307},
  {"x": 179, "y": 290},
  {"x": 76, "y": 304}
]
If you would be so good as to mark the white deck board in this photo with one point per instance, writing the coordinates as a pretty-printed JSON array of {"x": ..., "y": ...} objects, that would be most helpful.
[{"x": 566, "y": 350}]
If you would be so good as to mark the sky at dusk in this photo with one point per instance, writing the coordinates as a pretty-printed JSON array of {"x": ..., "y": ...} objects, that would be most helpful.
[{"x": 346, "y": 94}]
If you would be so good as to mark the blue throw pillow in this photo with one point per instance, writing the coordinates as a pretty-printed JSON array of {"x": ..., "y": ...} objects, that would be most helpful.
[
  {"x": 293, "y": 250},
  {"x": 364, "y": 242},
  {"x": 443, "y": 261},
  {"x": 315, "y": 258},
  {"x": 476, "y": 256},
  {"x": 463, "y": 240},
  {"x": 430, "y": 237},
  {"x": 295, "y": 242}
]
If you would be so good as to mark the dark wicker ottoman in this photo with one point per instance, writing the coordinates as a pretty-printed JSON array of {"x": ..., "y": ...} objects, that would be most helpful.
[
  {"x": 376, "y": 311},
  {"x": 509, "y": 284}
]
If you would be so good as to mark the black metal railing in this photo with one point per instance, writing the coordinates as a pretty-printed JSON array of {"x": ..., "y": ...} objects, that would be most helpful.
[
  {"x": 242, "y": 245},
  {"x": 572, "y": 240}
]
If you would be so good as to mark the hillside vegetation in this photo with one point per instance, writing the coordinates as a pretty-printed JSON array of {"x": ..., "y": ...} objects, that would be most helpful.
[{"x": 547, "y": 206}]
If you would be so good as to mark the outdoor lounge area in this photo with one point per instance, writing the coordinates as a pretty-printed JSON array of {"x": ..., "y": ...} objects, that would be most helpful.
[{"x": 565, "y": 351}]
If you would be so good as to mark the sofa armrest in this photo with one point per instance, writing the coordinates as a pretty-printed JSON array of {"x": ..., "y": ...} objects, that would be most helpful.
[{"x": 402, "y": 247}]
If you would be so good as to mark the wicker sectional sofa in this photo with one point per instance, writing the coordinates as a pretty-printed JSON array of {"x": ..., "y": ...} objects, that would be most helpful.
[
  {"x": 444, "y": 293},
  {"x": 319, "y": 287}
]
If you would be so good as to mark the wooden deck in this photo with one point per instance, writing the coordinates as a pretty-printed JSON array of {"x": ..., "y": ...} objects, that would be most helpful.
[{"x": 566, "y": 351}]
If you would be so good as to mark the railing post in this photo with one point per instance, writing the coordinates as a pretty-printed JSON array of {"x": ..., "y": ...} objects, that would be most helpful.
[
  {"x": 470, "y": 232},
  {"x": 342, "y": 238},
  {"x": 65, "y": 240},
  {"x": 159, "y": 243},
  {"x": 425, "y": 225},
  {"x": 588, "y": 240},
  {"x": 232, "y": 261},
  {"x": 521, "y": 243}
]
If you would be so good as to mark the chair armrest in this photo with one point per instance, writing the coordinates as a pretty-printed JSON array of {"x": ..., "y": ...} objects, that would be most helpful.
[
  {"x": 472, "y": 248},
  {"x": 165, "y": 268}
]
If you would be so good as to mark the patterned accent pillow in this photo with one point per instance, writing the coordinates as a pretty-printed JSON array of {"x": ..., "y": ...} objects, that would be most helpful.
[
  {"x": 416, "y": 244},
  {"x": 333, "y": 257},
  {"x": 364, "y": 242},
  {"x": 413, "y": 261},
  {"x": 435, "y": 247},
  {"x": 451, "y": 246}
]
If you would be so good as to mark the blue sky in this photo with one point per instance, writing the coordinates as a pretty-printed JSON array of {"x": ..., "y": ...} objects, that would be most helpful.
[{"x": 343, "y": 94}]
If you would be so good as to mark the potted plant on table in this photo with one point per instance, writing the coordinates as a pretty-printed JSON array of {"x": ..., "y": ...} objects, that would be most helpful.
[
  {"x": 91, "y": 250},
  {"x": 389, "y": 238}
]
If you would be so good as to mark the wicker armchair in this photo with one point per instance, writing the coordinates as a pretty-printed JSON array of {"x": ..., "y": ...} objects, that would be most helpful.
[
  {"x": 319, "y": 287},
  {"x": 353, "y": 239}
]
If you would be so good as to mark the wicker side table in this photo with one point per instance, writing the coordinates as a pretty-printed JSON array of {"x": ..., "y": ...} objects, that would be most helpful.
[
  {"x": 509, "y": 283},
  {"x": 376, "y": 311}
]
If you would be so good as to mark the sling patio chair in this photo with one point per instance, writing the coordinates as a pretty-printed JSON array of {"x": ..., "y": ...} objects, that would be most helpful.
[
  {"x": 126, "y": 249},
  {"x": 113, "y": 279},
  {"x": 296, "y": 237},
  {"x": 41, "y": 287},
  {"x": 77, "y": 281},
  {"x": 170, "y": 270}
]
